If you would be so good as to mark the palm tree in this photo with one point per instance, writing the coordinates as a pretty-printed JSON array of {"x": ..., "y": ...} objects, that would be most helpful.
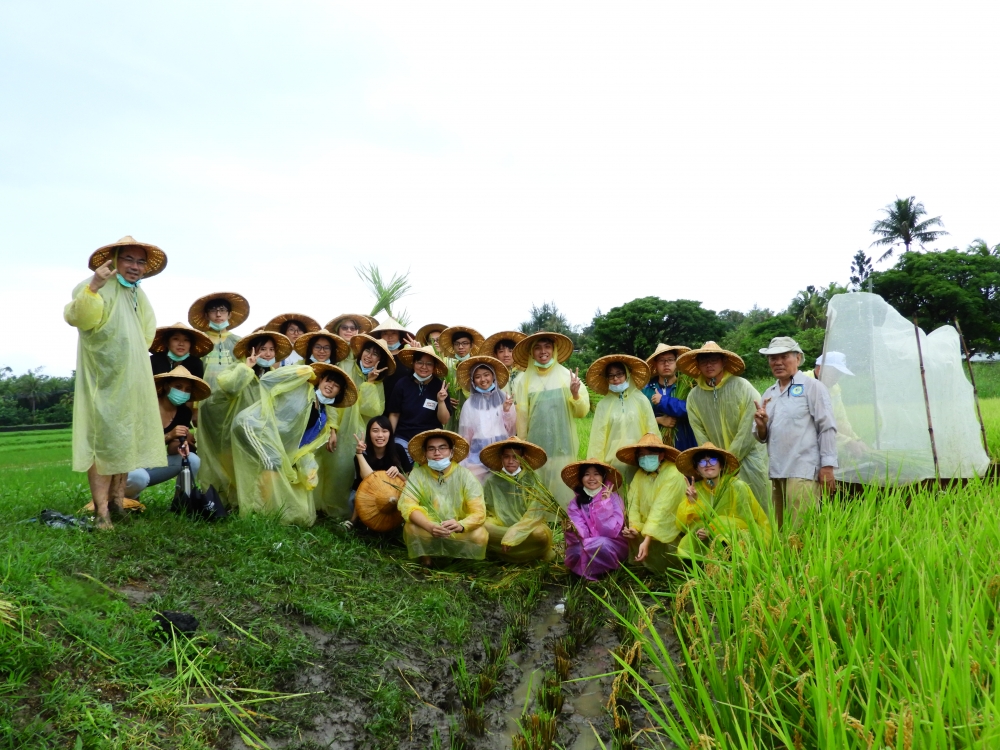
[
  {"x": 982, "y": 247},
  {"x": 902, "y": 226}
]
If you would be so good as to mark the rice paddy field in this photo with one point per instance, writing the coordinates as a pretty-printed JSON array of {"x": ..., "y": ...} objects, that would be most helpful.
[{"x": 873, "y": 625}]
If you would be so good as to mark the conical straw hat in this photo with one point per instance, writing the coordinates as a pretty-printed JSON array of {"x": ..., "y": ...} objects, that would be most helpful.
[
  {"x": 649, "y": 441},
  {"x": 390, "y": 324},
  {"x": 282, "y": 345},
  {"x": 278, "y": 322},
  {"x": 523, "y": 350},
  {"x": 489, "y": 346},
  {"x": 376, "y": 501},
  {"x": 348, "y": 395},
  {"x": 156, "y": 259},
  {"x": 571, "y": 474},
  {"x": 416, "y": 445},
  {"x": 363, "y": 323},
  {"x": 200, "y": 389},
  {"x": 688, "y": 362},
  {"x": 491, "y": 455},
  {"x": 200, "y": 343},
  {"x": 597, "y": 380},
  {"x": 685, "y": 460},
  {"x": 677, "y": 349},
  {"x": 340, "y": 347},
  {"x": 445, "y": 342},
  {"x": 359, "y": 342},
  {"x": 406, "y": 357},
  {"x": 427, "y": 330},
  {"x": 239, "y": 309},
  {"x": 463, "y": 373}
]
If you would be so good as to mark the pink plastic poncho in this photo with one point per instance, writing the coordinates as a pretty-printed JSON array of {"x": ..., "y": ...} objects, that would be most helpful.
[
  {"x": 594, "y": 545},
  {"x": 483, "y": 422}
]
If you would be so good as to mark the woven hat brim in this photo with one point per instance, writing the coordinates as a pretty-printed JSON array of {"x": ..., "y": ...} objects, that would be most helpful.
[
  {"x": 732, "y": 363},
  {"x": 685, "y": 460},
  {"x": 488, "y": 347},
  {"x": 200, "y": 343},
  {"x": 200, "y": 389},
  {"x": 347, "y": 396},
  {"x": 445, "y": 345},
  {"x": 424, "y": 331},
  {"x": 664, "y": 349},
  {"x": 571, "y": 474},
  {"x": 372, "y": 500},
  {"x": 523, "y": 353},
  {"x": 416, "y": 445},
  {"x": 406, "y": 357},
  {"x": 629, "y": 454},
  {"x": 239, "y": 310},
  {"x": 598, "y": 381},
  {"x": 491, "y": 455},
  {"x": 463, "y": 373},
  {"x": 341, "y": 347},
  {"x": 275, "y": 323},
  {"x": 358, "y": 344},
  {"x": 364, "y": 324},
  {"x": 283, "y": 347},
  {"x": 156, "y": 259}
]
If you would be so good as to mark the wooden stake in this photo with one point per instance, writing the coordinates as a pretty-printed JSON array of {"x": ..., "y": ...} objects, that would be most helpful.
[
  {"x": 975, "y": 391},
  {"x": 927, "y": 403}
]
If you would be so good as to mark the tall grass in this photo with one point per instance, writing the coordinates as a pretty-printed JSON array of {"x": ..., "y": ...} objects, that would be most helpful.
[{"x": 875, "y": 625}]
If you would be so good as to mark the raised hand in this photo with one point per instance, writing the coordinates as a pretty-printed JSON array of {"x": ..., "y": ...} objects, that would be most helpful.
[
  {"x": 656, "y": 400},
  {"x": 252, "y": 359},
  {"x": 373, "y": 375},
  {"x": 691, "y": 492},
  {"x": 574, "y": 383},
  {"x": 411, "y": 342},
  {"x": 443, "y": 393},
  {"x": 509, "y": 402},
  {"x": 360, "y": 445},
  {"x": 102, "y": 274},
  {"x": 606, "y": 492},
  {"x": 760, "y": 416}
]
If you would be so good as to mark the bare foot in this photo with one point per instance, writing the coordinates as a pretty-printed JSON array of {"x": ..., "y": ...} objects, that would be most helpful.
[
  {"x": 103, "y": 523},
  {"x": 425, "y": 561}
]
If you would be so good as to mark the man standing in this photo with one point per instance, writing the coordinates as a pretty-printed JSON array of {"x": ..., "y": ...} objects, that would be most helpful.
[
  {"x": 796, "y": 421},
  {"x": 669, "y": 408},
  {"x": 116, "y": 417}
]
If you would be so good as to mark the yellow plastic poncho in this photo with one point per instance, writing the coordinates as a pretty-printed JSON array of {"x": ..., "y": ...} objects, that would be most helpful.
[
  {"x": 620, "y": 419},
  {"x": 516, "y": 519},
  {"x": 545, "y": 413},
  {"x": 237, "y": 388},
  {"x": 727, "y": 511},
  {"x": 116, "y": 417},
  {"x": 454, "y": 494},
  {"x": 723, "y": 415},
  {"x": 272, "y": 473},
  {"x": 221, "y": 357},
  {"x": 653, "y": 498},
  {"x": 336, "y": 470}
]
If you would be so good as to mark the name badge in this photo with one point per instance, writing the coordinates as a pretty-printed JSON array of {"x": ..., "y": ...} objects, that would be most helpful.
[
  {"x": 797, "y": 390},
  {"x": 430, "y": 403}
]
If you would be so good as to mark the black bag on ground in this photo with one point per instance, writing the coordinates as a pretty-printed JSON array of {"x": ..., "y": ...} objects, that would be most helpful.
[{"x": 194, "y": 503}]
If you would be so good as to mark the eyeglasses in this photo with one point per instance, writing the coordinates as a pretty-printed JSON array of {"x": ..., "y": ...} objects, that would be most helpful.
[
  {"x": 322, "y": 348},
  {"x": 128, "y": 260},
  {"x": 616, "y": 376},
  {"x": 711, "y": 461},
  {"x": 216, "y": 308},
  {"x": 436, "y": 449},
  {"x": 348, "y": 327}
]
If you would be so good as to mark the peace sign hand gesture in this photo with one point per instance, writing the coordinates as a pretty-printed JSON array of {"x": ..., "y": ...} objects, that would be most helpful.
[
  {"x": 102, "y": 274},
  {"x": 606, "y": 492},
  {"x": 443, "y": 393},
  {"x": 361, "y": 446},
  {"x": 373, "y": 375},
  {"x": 252, "y": 359},
  {"x": 574, "y": 383},
  {"x": 508, "y": 402},
  {"x": 760, "y": 417},
  {"x": 411, "y": 342}
]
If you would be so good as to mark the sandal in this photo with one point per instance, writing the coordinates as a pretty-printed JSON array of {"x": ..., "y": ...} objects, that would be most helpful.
[{"x": 347, "y": 525}]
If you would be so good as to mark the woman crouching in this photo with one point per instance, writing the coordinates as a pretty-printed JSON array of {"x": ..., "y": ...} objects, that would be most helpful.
[{"x": 594, "y": 541}]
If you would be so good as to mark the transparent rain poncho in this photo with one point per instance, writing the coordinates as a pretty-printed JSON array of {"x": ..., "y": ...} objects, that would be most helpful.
[
  {"x": 728, "y": 511},
  {"x": 652, "y": 502},
  {"x": 620, "y": 419},
  {"x": 723, "y": 415},
  {"x": 273, "y": 474},
  {"x": 336, "y": 470},
  {"x": 236, "y": 389},
  {"x": 515, "y": 517},
  {"x": 221, "y": 357},
  {"x": 455, "y": 494},
  {"x": 483, "y": 422},
  {"x": 116, "y": 416},
  {"x": 545, "y": 413},
  {"x": 883, "y": 404}
]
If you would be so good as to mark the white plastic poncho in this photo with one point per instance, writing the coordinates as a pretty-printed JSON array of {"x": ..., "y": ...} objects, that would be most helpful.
[
  {"x": 272, "y": 473},
  {"x": 237, "y": 388},
  {"x": 484, "y": 422},
  {"x": 545, "y": 413},
  {"x": 621, "y": 419},
  {"x": 336, "y": 470},
  {"x": 116, "y": 417},
  {"x": 723, "y": 415}
]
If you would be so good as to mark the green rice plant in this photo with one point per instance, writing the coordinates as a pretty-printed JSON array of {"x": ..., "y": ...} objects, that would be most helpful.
[
  {"x": 538, "y": 731},
  {"x": 872, "y": 624},
  {"x": 549, "y": 695},
  {"x": 471, "y": 696},
  {"x": 387, "y": 293}
]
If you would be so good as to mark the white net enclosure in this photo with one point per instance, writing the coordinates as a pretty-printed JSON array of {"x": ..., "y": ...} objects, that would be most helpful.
[{"x": 872, "y": 369}]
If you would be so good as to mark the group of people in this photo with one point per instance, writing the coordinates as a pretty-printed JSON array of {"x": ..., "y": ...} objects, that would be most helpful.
[{"x": 477, "y": 432}]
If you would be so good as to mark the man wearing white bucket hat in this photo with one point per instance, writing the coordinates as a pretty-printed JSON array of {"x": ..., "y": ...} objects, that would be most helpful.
[{"x": 795, "y": 419}]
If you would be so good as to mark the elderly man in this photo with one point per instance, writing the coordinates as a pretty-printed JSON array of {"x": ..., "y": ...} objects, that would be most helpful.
[
  {"x": 796, "y": 421},
  {"x": 116, "y": 417}
]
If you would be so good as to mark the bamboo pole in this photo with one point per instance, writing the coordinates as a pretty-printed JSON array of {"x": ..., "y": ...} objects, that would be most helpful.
[
  {"x": 927, "y": 402},
  {"x": 975, "y": 391}
]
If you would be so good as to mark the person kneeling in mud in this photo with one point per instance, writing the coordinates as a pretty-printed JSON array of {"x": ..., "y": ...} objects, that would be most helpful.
[
  {"x": 718, "y": 505},
  {"x": 442, "y": 504},
  {"x": 516, "y": 517}
]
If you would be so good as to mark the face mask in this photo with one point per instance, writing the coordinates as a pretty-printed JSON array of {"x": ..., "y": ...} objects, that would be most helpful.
[
  {"x": 592, "y": 493},
  {"x": 219, "y": 326},
  {"x": 322, "y": 361},
  {"x": 492, "y": 388},
  {"x": 364, "y": 369},
  {"x": 126, "y": 284},
  {"x": 175, "y": 358},
  {"x": 618, "y": 387},
  {"x": 261, "y": 362},
  {"x": 546, "y": 366},
  {"x": 422, "y": 380},
  {"x": 177, "y": 397},
  {"x": 462, "y": 359},
  {"x": 323, "y": 399},
  {"x": 439, "y": 464},
  {"x": 394, "y": 347},
  {"x": 511, "y": 473},
  {"x": 649, "y": 463}
]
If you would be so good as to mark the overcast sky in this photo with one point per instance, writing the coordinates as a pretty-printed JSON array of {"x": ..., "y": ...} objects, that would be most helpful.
[{"x": 506, "y": 154}]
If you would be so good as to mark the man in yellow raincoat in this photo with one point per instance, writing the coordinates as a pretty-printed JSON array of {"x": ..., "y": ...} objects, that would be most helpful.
[
  {"x": 548, "y": 398},
  {"x": 721, "y": 409},
  {"x": 116, "y": 417}
]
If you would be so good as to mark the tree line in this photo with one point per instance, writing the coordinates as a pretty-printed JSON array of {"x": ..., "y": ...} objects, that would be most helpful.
[{"x": 34, "y": 398}]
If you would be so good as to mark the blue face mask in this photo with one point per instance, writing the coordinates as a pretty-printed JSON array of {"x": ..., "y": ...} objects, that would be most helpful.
[
  {"x": 649, "y": 463},
  {"x": 439, "y": 464},
  {"x": 364, "y": 369},
  {"x": 321, "y": 361},
  {"x": 323, "y": 399},
  {"x": 220, "y": 327},
  {"x": 265, "y": 363},
  {"x": 462, "y": 359},
  {"x": 394, "y": 347},
  {"x": 175, "y": 358},
  {"x": 546, "y": 366},
  {"x": 492, "y": 388},
  {"x": 177, "y": 397},
  {"x": 126, "y": 284},
  {"x": 618, "y": 387}
]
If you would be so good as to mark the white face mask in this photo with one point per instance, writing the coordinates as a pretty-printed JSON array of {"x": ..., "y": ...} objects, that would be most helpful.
[
  {"x": 323, "y": 399},
  {"x": 265, "y": 363},
  {"x": 439, "y": 464},
  {"x": 618, "y": 387},
  {"x": 592, "y": 493},
  {"x": 511, "y": 473}
]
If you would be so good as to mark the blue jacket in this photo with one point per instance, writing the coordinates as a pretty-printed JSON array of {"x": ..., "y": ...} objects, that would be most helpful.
[{"x": 672, "y": 407}]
